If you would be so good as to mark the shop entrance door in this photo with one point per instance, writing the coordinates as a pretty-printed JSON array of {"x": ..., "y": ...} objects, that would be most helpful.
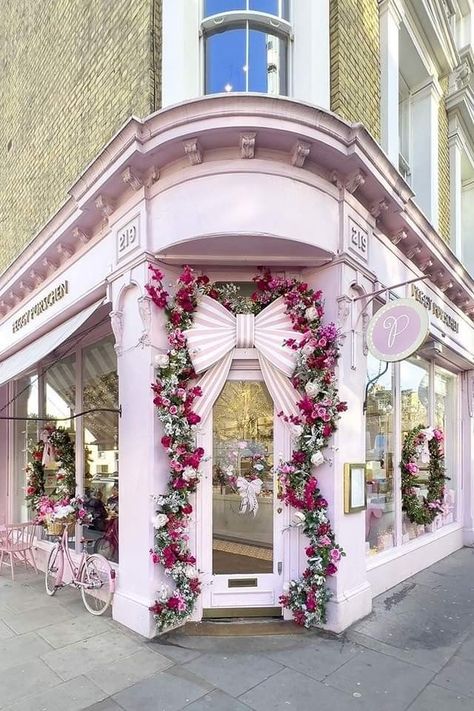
[{"x": 242, "y": 543}]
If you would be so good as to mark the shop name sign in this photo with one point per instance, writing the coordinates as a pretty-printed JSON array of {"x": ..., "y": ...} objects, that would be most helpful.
[
  {"x": 56, "y": 294},
  {"x": 397, "y": 330},
  {"x": 436, "y": 310}
]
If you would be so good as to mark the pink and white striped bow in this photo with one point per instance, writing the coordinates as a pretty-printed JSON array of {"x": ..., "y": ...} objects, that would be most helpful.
[{"x": 216, "y": 332}]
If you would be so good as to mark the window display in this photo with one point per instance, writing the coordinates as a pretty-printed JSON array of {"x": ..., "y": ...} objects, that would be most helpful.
[
  {"x": 402, "y": 398},
  {"x": 100, "y": 389},
  {"x": 380, "y": 512}
]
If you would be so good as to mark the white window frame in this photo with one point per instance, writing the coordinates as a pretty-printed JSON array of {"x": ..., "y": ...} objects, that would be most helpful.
[{"x": 249, "y": 19}]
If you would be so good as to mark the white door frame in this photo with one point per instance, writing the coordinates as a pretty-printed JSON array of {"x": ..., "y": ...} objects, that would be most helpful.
[{"x": 216, "y": 594}]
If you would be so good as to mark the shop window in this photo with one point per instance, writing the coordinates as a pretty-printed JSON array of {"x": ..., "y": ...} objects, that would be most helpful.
[
  {"x": 25, "y": 436},
  {"x": 415, "y": 410},
  {"x": 380, "y": 513},
  {"x": 246, "y": 49},
  {"x": 447, "y": 419},
  {"x": 100, "y": 390}
]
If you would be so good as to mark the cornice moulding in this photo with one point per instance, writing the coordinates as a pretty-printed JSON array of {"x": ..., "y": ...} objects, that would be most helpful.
[{"x": 326, "y": 142}]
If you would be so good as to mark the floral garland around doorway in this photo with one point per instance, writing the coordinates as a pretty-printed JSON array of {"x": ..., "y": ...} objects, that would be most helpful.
[
  {"x": 425, "y": 444},
  {"x": 316, "y": 352},
  {"x": 54, "y": 446}
]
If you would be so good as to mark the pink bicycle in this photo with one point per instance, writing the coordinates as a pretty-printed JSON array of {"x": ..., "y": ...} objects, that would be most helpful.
[{"x": 93, "y": 575}]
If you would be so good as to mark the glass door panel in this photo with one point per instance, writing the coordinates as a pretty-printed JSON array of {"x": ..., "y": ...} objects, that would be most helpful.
[{"x": 242, "y": 480}]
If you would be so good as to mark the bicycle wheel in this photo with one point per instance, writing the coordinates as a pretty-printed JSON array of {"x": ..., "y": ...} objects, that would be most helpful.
[
  {"x": 96, "y": 574},
  {"x": 55, "y": 563}
]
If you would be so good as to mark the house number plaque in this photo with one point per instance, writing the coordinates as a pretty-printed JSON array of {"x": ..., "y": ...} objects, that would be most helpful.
[{"x": 128, "y": 238}]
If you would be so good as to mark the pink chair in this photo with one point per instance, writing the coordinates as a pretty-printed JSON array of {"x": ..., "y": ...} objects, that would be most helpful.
[{"x": 16, "y": 541}]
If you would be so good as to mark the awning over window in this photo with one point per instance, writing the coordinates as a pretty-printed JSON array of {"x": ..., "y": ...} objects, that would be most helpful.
[{"x": 26, "y": 358}]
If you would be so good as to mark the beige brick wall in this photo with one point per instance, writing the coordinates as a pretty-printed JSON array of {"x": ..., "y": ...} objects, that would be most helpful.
[
  {"x": 443, "y": 166},
  {"x": 72, "y": 72},
  {"x": 355, "y": 62}
]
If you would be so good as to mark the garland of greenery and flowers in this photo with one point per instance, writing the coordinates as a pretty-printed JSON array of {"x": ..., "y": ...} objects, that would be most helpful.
[
  {"x": 317, "y": 352},
  {"x": 62, "y": 502},
  {"x": 423, "y": 443}
]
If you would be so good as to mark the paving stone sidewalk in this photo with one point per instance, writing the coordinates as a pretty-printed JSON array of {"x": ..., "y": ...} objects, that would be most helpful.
[{"x": 415, "y": 651}]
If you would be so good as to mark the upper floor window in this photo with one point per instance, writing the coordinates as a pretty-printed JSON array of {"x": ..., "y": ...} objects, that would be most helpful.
[{"x": 246, "y": 46}]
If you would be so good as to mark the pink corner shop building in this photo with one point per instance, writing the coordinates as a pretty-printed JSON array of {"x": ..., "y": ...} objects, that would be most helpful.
[{"x": 226, "y": 184}]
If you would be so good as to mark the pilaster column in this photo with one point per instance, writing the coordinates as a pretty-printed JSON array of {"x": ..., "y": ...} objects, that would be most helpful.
[
  {"x": 424, "y": 163},
  {"x": 311, "y": 60},
  {"x": 455, "y": 190},
  {"x": 180, "y": 66},
  {"x": 352, "y": 596},
  {"x": 390, "y": 17},
  {"x": 139, "y": 332}
]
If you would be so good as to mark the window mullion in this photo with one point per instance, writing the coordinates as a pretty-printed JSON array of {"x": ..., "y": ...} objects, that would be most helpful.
[
  {"x": 397, "y": 426},
  {"x": 247, "y": 55}
]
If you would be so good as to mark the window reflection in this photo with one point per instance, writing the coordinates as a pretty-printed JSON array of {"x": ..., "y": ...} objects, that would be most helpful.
[
  {"x": 60, "y": 403},
  {"x": 415, "y": 402},
  {"x": 25, "y": 434},
  {"x": 271, "y": 7},
  {"x": 101, "y": 445},
  {"x": 243, "y": 479},
  {"x": 446, "y": 419},
  {"x": 246, "y": 59},
  {"x": 380, "y": 513}
]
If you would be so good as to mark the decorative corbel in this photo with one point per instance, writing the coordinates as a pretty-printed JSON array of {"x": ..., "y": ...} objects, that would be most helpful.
[
  {"x": 104, "y": 205},
  {"x": 414, "y": 250},
  {"x": 344, "y": 305},
  {"x": 193, "y": 151},
  {"x": 153, "y": 176},
  {"x": 35, "y": 277},
  {"x": 144, "y": 308},
  {"x": 49, "y": 265},
  {"x": 116, "y": 321},
  {"x": 378, "y": 208},
  {"x": 470, "y": 392},
  {"x": 64, "y": 251},
  {"x": 426, "y": 264},
  {"x": 247, "y": 145},
  {"x": 80, "y": 235},
  {"x": 398, "y": 237},
  {"x": 446, "y": 286},
  {"x": 300, "y": 152},
  {"x": 356, "y": 180},
  {"x": 438, "y": 276},
  {"x": 132, "y": 178}
]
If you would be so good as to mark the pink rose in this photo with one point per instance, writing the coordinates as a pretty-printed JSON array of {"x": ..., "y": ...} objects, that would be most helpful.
[
  {"x": 325, "y": 541},
  {"x": 173, "y": 410},
  {"x": 335, "y": 555}
]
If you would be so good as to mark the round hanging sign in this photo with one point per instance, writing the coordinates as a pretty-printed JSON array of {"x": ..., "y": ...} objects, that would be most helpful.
[{"x": 397, "y": 330}]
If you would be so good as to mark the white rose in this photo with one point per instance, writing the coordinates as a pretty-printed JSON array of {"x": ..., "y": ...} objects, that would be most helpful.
[
  {"x": 311, "y": 313},
  {"x": 299, "y": 518},
  {"x": 317, "y": 459},
  {"x": 307, "y": 349},
  {"x": 159, "y": 520},
  {"x": 188, "y": 473},
  {"x": 190, "y": 571},
  {"x": 311, "y": 388},
  {"x": 162, "y": 360},
  {"x": 297, "y": 431}
]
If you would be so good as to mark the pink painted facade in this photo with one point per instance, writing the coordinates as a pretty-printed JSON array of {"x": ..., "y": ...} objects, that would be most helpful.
[{"x": 226, "y": 184}]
